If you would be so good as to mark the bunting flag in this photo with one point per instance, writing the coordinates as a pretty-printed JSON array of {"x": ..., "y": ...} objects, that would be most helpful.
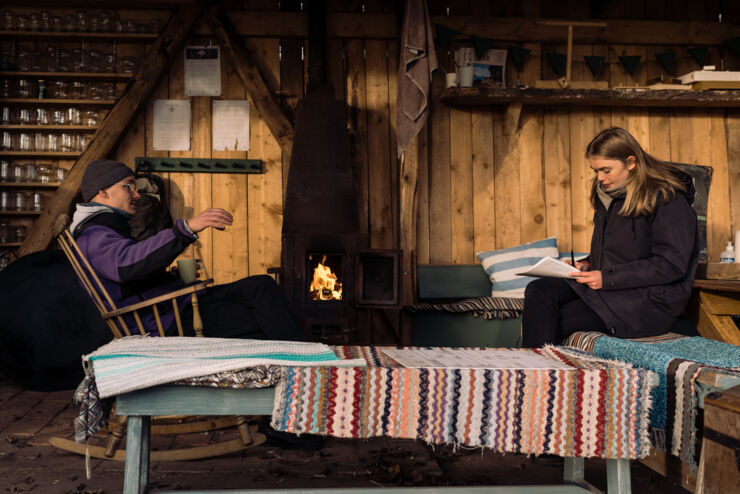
[
  {"x": 700, "y": 54},
  {"x": 445, "y": 34},
  {"x": 557, "y": 62},
  {"x": 733, "y": 44},
  {"x": 666, "y": 60},
  {"x": 594, "y": 63},
  {"x": 630, "y": 62},
  {"x": 481, "y": 46},
  {"x": 518, "y": 55}
]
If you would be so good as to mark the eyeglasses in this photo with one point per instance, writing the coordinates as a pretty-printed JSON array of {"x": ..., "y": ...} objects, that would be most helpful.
[{"x": 131, "y": 188}]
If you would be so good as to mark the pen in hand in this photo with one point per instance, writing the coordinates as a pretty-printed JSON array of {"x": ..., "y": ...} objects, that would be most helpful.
[{"x": 572, "y": 259}]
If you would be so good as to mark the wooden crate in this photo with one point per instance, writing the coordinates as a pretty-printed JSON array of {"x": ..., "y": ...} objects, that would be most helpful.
[{"x": 722, "y": 441}]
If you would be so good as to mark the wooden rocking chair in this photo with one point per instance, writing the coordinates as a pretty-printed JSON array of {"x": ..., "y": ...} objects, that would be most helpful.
[{"x": 114, "y": 318}]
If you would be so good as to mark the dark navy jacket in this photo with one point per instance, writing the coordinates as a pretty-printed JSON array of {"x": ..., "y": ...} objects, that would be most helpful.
[
  {"x": 133, "y": 271},
  {"x": 647, "y": 264}
]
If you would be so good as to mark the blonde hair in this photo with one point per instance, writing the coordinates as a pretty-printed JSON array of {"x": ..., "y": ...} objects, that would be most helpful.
[{"x": 650, "y": 181}]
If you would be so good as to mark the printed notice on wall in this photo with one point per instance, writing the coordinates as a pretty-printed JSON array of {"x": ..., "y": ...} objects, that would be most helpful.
[
  {"x": 230, "y": 125},
  {"x": 171, "y": 125},
  {"x": 202, "y": 71},
  {"x": 457, "y": 358}
]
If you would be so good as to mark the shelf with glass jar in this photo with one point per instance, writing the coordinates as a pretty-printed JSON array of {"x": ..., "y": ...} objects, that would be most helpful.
[
  {"x": 57, "y": 102},
  {"x": 81, "y": 128},
  {"x": 66, "y": 36},
  {"x": 41, "y": 154},
  {"x": 97, "y": 76}
]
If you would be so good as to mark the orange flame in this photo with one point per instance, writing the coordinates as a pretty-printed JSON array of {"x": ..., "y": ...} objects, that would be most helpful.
[{"x": 324, "y": 285}]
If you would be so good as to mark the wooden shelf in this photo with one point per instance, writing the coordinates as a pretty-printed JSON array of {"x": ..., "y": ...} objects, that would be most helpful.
[
  {"x": 11, "y": 244},
  {"x": 82, "y": 128},
  {"x": 58, "y": 102},
  {"x": 19, "y": 213},
  {"x": 591, "y": 97},
  {"x": 96, "y": 76},
  {"x": 40, "y": 154},
  {"x": 29, "y": 185},
  {"x": 67, "y": 35}
]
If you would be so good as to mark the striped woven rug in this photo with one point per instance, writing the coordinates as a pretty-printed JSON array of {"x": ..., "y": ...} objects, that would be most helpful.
[
  {"x": 593, "y": 408},
  {"x": 488, "y": 307}
]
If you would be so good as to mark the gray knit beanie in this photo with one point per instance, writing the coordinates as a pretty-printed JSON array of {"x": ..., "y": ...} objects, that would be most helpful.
[{"x": 101, "y": 174}]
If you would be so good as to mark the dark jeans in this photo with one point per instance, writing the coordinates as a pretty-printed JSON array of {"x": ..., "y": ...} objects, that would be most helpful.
[
  {"x": 553, "y": 311},
  {"x": 253, "y": 307}
]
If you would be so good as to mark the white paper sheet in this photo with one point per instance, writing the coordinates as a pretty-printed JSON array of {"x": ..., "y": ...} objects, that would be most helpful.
[
  {"x": 230, "y": 125},
  {"x": 456, "y": 358},
  {"x": 171, "y": 125},
  {"x": 548, "y": 267},
  {"x": 202, "y": 71}
]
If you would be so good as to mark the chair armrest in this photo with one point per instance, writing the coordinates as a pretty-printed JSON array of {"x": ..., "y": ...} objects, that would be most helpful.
[{"x": 156, "y": 300}]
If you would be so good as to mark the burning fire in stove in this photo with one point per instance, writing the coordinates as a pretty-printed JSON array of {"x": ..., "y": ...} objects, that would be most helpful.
[{"x": 324, "y": 285}]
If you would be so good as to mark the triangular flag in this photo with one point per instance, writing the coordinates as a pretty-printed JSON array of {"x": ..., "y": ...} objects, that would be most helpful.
[
  {"x": 557, "y": 62},
  {"x": 445, "y": 34},
  {"x": 518, "y": 55},
  {"x": 481, "y": 46},
  {"x": 666, "y": 60},
  {"x": 733, "y": 44},
  {"x": 700, "y": 54},
  {"x": 594, "y": 63},
  {"x": 630, "y": 62}
]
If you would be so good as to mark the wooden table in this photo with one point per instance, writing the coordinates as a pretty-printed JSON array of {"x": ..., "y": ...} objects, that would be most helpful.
[
  {"x": 717, "y": 301},
  {"x": 140, "y": 406}
]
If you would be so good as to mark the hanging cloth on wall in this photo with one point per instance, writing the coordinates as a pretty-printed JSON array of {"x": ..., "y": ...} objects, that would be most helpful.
[{"x": 418, "y": 61}]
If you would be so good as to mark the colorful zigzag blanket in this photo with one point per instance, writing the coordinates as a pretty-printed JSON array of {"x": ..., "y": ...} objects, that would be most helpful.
[
  {"x": 138, "y": 362},
  {"x": 592, "y": 408},
  {"x": 678, "y": 362}
]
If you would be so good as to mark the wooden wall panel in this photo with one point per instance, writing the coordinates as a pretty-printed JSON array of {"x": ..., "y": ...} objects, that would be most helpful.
[
  {"x": 265, "y": 202},
  {"x": 733, "y": 162},
  {"x": 484, "y": 209},
  {"x": 531, "y": 176},
  {"x": 582, "y": 130},
  {"x": 461, "y": 185},
  {"x": 507, "y": 195},
  {"x": 440, "y": 225},
  {"x": 556, "y": 157},
  {"x": 231, "y": 246}
]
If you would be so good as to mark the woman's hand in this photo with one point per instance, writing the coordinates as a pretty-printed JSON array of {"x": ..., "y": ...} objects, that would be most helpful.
[
  {"x": 214, "y": 217},
  {"x": 590, "y": 278}
]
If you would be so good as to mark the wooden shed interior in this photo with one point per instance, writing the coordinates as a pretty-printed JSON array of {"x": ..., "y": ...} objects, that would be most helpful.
[{"x": 485, "y": 172}]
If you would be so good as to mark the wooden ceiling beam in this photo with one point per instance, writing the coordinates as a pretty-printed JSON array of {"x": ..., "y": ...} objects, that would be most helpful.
[
  {"x": 159, "y": 57},
  {"x": 512, "y": 29},
  {"x": 246, "y": 67}
]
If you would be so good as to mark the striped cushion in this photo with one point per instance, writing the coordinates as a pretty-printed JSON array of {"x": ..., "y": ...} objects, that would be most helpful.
[{"x": 501, "y": 265}]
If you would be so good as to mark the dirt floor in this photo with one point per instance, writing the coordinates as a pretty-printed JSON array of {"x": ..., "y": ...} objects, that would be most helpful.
[{"x": 29, "y": 464}]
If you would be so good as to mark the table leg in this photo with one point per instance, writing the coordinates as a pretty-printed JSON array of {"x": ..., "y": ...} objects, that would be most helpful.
[
  {"x": 618, "y": 476},
  {"x": 574, "y": 470},
  {"x": 136, "y": 471}
]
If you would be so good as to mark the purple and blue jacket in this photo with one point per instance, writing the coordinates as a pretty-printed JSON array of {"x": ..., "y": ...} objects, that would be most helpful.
[{"x": 132, "y": 271}]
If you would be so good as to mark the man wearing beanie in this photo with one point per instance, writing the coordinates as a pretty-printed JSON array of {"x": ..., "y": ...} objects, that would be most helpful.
[{"x": 133, "y": 271}]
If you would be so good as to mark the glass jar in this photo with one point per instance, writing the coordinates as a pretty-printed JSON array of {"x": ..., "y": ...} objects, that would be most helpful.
[
  {"x": 34, "y": 22},
  {"x": 20, "y": 233},
  {"x": 23, "y": 58},
  {"x": 65, "y": 61},
  {"x": 52, "y": 58},
  {"x": 7, "y": 58},
  {"x": 109, "y": 63},
  {"x": 41, "y": 141},
  {"x": 4, "y": 232},
  {"x": 21, "y": 22},
  {"x": 29, "y": 172},
  {"x": 78, "y": 56},
  {"x": 96, "y": 91},
  {"x": 106, "y": 19},
  {"x": 81, "y": 21},
  {"x": 58, "y": 116},
  {"x": 25, "y": 142},
  {"x": 128, "y": 65},
  {"x": 4, "y": 171},
  {"x": 57, "y": 24},
  {"x": 59, "y": 174},
  {"x": 78, "y": 90},
  {"x": 43, "y": 116},
  {"x": 42, "y": 94},
  {"x": 6, "y": 118},
  {"x": 37, "y": 201},
  {"x": 45, "y": 173},
  {"x": 73, "y": 116},
  {"x": 6, "y": 141},
  {"x": 46, "y": 18},
  {"x": 20, "y": 201},
  {"x": 16, "y": 173},
  {"x": 90, "y": 118},
  {"x": 53, "y": 140},
  {"x": 25, "y": 116},
  {"x": 67, "y": 142},
  {"x": 5, "y": 200},
  {"x": 93, "y": 61},
  {"x": 61, "y": 90},
  {"x": 68, "y": 23},
  {"x": 8, "y": 20},
  {"x": 26, "y": 88}
]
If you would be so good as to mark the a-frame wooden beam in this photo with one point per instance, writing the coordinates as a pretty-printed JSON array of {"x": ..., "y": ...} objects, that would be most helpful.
[
  {"x": 159, "y": 57},
  {"x": 244, "y": 63}
]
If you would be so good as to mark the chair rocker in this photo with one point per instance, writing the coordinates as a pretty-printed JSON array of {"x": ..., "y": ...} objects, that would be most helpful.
[{"x": 169, "y": 425}]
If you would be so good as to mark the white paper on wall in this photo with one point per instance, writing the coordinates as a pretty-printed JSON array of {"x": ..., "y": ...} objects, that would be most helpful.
[
  {"x": 171, "y": 125},
  {"x": 202, "y": 71},
  {"x": 230, "y": 125}
]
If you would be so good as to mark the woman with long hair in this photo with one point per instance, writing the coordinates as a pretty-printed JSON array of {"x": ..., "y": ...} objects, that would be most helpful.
[{"x": 637, "y": 278}]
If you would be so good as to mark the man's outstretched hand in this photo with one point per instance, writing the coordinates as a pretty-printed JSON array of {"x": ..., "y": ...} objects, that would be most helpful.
[{"x": 214, "y": 217}]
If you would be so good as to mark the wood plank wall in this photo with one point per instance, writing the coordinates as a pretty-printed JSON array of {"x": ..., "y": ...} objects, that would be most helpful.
[{"x": 479, "y": 188}]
